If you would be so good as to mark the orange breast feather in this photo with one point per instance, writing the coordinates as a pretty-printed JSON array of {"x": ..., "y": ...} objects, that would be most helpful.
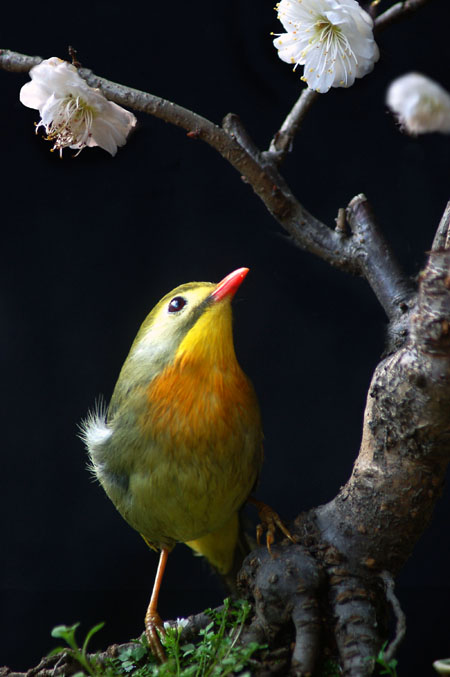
[{"x": 193, "y": 405}]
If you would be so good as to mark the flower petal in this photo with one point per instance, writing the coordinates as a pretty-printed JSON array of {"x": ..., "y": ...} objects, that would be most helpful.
[
  {"x": 333, "y": 40},
  {"x": 109, "y": 133},
  {"x": 34, "y": 95},
  {"x": 74, "y": 115}
]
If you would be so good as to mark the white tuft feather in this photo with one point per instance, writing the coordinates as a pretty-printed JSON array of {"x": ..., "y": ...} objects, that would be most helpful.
[{"x": 94, "y": 431}]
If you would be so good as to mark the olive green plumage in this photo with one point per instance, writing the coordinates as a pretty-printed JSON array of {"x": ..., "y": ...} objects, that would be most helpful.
[{"x": 180, "y": 448}]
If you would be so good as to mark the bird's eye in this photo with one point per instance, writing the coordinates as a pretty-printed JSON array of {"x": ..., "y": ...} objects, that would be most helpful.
[{"x": 176, "y": 304}]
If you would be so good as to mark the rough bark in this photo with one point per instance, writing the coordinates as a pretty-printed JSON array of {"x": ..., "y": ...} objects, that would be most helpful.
[{"x": 350, "y": 549}]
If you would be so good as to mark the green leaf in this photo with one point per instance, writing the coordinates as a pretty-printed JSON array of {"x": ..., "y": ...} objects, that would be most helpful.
[
  {"x": 91, "y": 632},
  {"x": 188, "y": 648},
  {"x": 67, "y": 633}
]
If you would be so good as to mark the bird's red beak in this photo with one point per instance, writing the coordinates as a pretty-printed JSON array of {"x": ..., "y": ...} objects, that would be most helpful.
[{"x": 229, "y": 285}]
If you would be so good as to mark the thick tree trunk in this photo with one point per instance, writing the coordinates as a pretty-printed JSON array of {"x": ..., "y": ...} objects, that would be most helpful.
[{"x": 349, "y": 549}]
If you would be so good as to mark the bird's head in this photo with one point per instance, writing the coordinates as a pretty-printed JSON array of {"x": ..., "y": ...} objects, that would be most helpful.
[{"x": 192, "y": 323}]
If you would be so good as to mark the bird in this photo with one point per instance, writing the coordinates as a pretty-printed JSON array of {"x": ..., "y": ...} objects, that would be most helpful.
[{"x": 180, "y": 447}]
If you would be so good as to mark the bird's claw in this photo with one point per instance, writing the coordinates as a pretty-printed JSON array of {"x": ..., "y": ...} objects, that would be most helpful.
[
  {"x": 270, "y": 520},
  {"x": 154, "y": 626}
]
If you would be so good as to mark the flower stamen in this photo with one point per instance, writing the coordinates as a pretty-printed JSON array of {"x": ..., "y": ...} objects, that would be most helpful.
[{"x": 71, "y": 126}]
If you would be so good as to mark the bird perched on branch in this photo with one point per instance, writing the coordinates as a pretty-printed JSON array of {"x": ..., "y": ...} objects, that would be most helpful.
[{"x": 180, "y": 447}]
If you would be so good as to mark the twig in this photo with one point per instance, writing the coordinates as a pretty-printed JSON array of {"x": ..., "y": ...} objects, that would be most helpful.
[
  {"x": 398, "y": 11},
  {"x": 442, "y": 237},
  {"x": 283, "y": 140},
  {"x": 400, "y": 627},
  {"x": 376, "y": 259}
]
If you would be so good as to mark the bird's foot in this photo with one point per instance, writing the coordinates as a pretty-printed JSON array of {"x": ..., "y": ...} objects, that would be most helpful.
[
  {"x": 270, "y": 520},
  {"x": 153, "y": 624}
]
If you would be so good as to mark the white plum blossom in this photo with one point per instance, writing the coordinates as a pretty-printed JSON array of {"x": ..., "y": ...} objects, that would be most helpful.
[
  {"x": 73, "y": 114},
  {"x": 179, "y": 624},
  {"x": 332, "y": 39},
  {"x": 420, "y": 104}
]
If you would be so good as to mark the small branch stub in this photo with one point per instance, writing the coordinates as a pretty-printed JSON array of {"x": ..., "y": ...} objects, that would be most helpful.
[
  {"x": 341, "y": 222},
  {"x": 442, "y": 237},
  {"x": 73, "y": 55}
]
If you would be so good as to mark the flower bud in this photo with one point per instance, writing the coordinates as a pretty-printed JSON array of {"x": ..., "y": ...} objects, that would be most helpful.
[{"x": 420, "y": 104}]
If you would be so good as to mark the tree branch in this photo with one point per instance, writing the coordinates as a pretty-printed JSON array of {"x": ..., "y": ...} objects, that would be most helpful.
[
  {"x": 376, "y": 259},
  {"x": 364, "y": 252},
  {"x": 307, "y": 232},
  {"x": 283, "y": 140},
  {"x": 17, "y": 63},
  {"x": 398, "y": 11}
]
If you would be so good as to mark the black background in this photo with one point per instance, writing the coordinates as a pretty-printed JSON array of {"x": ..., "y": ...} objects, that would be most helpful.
[{"x": 88, "y": 245}]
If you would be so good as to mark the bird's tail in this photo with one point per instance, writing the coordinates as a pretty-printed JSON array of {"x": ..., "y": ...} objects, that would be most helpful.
[{"x": 225, "y": 549}]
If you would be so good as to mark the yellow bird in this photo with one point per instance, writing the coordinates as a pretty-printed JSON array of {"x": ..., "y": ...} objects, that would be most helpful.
[{"x": 180, "y": 447}]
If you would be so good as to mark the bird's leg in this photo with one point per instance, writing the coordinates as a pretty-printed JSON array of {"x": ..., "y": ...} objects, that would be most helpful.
[
  {"x": 153, "y": 621},
  {"x": 270, "y": 520}
]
